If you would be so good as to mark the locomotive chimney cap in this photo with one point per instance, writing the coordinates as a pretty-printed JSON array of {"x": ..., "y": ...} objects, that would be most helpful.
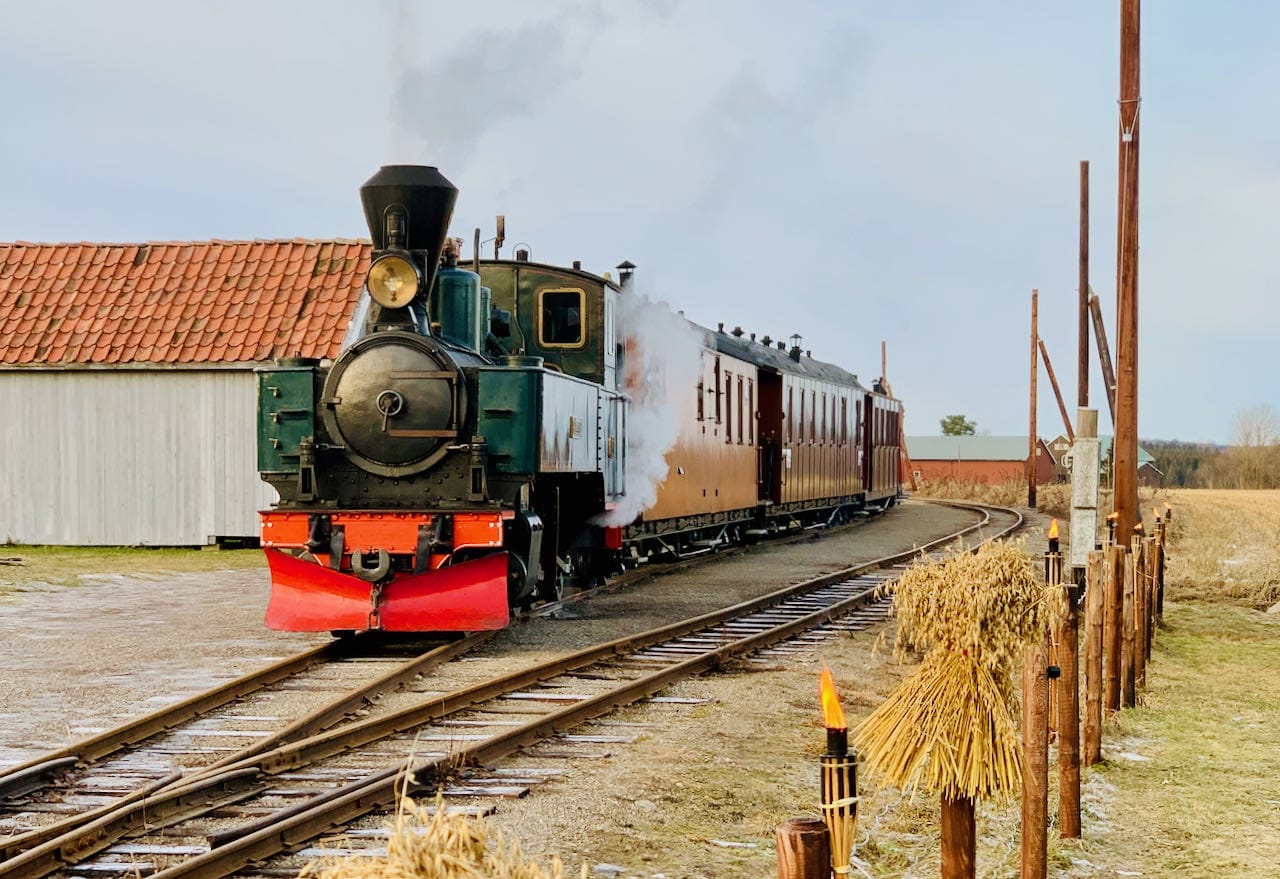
[{"x": 420, "y": 200}]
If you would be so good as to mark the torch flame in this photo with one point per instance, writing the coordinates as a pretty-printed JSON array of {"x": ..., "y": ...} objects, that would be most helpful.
[
  {"x": 1053, "y": 530},
  {"x": 832, "y": 713},
  {"x": 1155, "y": 511},
  {"x": 1111, "y": 517}
]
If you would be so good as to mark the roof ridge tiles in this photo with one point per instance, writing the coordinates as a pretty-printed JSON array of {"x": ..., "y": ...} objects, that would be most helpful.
[{"x": 178, "y": 301}]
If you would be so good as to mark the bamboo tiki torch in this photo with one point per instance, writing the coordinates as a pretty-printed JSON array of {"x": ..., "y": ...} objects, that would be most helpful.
[
  {"x": 839, "y": 779},
  {"x": 1053, "y": 578}
]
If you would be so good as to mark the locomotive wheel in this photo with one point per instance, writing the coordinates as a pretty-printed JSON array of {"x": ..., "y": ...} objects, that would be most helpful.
[{"x": 561, "y": 585}]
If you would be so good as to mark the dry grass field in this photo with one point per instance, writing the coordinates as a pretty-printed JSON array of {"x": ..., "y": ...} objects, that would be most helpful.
[{"x": 1226, "y": 547}]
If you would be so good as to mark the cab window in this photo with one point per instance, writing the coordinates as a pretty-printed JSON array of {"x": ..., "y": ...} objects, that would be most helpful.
[{"x": 560, "y": 314}]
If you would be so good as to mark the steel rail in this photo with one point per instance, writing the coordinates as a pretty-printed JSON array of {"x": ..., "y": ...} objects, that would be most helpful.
[
  {"x": 236, "y": 849},
  {"x": 166, "y": 806},
  {"x": 19, "y": 779},
  {"x": 310, "y": 724}
]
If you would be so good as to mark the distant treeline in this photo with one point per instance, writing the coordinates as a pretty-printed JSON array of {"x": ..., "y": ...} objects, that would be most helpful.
[{"x": 1204, "y": 465}]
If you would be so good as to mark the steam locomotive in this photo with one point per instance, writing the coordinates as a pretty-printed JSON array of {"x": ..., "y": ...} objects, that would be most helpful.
[{"x": 476, "y": 446}]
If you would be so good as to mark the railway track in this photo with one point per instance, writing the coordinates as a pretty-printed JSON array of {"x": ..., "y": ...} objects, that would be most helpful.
[
  {"x": 69, "y": 786},
  {"x": 240, "y": 811},
  {"x": 87, "y": 776}
]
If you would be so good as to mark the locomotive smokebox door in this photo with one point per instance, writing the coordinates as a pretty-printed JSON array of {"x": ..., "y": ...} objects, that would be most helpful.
[{"x": 395, "y": 400}]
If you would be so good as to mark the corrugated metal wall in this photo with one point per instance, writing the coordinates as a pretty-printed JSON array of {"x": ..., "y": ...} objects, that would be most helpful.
[{"x": 128, "y": 457}]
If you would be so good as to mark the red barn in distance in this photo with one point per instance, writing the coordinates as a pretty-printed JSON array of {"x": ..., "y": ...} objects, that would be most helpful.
[{"x": 989, "y": 459}]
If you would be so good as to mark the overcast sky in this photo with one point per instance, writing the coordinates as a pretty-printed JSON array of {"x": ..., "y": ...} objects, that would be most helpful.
[{"x": 849, "y": 171}]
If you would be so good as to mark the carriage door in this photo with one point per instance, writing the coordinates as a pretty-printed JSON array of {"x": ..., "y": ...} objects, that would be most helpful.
[
  {"x": 769, "y": 436},
  {"x": 868, "y": 444}
]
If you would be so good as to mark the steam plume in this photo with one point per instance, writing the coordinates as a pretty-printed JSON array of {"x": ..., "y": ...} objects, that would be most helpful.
[{"x": 664, "y": 361}]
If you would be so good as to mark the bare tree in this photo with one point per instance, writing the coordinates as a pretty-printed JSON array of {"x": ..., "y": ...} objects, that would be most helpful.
[
  {"x": 1253, "y": 461},
  {"x": 1256, "y": 426}
]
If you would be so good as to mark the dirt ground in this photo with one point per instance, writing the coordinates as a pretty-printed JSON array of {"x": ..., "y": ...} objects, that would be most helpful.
[{"x": 697, "y": 795}]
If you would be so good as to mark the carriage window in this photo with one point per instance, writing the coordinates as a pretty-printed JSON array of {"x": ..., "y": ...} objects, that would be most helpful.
[
  {"x": 739, "y": 410},
  {"x": 728, "y": 408},
  {"x": 790, "y": 414},
  {"x": 702, "y": 399},
  {"x": 824, "y": 436},
  {"x": 801, "y": 431},
  {"x": 751, "y": 412},
  {"x": 844, "y": 421},
  {"x": 561, "y": 313},
  {"x": 813, "y": 415},
  {"x": 717, "y": 383}
]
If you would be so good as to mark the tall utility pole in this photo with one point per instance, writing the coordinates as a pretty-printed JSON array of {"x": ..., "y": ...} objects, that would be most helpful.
[
  {"x": 1082, "y": 367},
  {"x": 1125, "y": 472},
  {"x": 1035, "y": 356}
]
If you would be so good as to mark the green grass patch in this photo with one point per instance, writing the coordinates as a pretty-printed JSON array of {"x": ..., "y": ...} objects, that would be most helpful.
[
  {"x": 1206, "y": 801},
  {"x": 65, "y": 565}
]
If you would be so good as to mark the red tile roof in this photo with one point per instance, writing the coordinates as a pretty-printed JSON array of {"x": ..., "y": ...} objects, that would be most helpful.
[{"x": 176, "y": 301}]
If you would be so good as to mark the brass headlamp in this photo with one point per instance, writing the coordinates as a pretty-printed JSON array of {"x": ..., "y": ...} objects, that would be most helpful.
[{"x": 393, "y": 281}]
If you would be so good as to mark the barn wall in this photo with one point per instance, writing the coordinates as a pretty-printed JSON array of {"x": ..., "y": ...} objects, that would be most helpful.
[
  {"x": 128, "y": 457},
  {"x": 985, "y": 471}
]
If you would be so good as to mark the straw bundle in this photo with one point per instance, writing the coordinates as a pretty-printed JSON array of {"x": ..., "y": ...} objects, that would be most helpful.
[
  {"x": 988, "y": 604},
  {"x": 949, "y": 727},
  {"x": 426, "y": 845}
]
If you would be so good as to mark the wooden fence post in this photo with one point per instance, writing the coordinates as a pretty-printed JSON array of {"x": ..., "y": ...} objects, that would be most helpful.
[
  {"x": 1127, "y": 633},
  {"x": 1140, "y": 612},
  {"x": 1153, "y": 567},
  {"x": 1164, "y": 542},
  {"x": 1069, "y": 718},
  {"x": 1113, "y": 638},
  {"x": 804, "y": 852},
  {"x": 1035, "y": 771},
  {"x": 1095, "y": 583},
  {"x": 959, "y": 839}
]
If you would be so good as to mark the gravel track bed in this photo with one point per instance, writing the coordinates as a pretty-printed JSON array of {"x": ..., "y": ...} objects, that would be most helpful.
[{"x": 77, "y": 658}]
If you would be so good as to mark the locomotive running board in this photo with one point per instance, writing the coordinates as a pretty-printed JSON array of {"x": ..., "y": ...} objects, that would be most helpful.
[{"x": 466, "y": 597}]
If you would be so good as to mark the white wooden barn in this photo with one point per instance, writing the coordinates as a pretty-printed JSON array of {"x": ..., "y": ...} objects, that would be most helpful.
[{"x": 127, "y": 392}]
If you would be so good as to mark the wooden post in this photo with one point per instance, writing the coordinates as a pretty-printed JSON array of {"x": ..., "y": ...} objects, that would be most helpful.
[
  {"x": 1113, "y": 635},
  {"x": 1069, "y": 718},
  {"x": 803, "y": 849},
  {"x": 1057, "y": 393},
  {"x": 1127, "y": 698},
  {"x": 1104, "y": 355},
  {"x": 1082, "y": 365},
  {"x": 1035, "y": 771},
  {"x": 1152, "y": 557},
  {"x": 959, "y": 839},
  {"x": 1124, "y": 475},
  {"x": 1140, "y": 612},
  {"x": 1164, "y": 543},
  {"x": 1035, "y": 354},
  {"x": 1095, "y": 585}
]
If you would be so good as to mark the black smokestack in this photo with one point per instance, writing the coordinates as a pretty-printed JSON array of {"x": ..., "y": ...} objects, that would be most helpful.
[{"x": 419, "y": 201}]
